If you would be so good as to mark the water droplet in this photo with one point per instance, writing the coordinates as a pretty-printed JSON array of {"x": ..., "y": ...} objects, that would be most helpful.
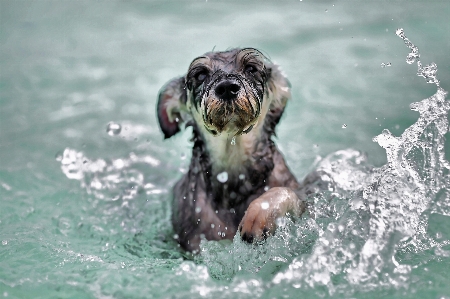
[
  {"x": 344, "y": 126},
  {"x": 198, "y": 209},
  {"x": 399, "y": 32},
  {"x": 119, "y": 163},
  {"x": 213, "y": 225},
  {"x": 113, "y": 129},
  {"x": 264, "y": 205},
  {"x": 266, "y": 188},
  {"x": 233, "y": 140},
  {"x": 222, "y": 177},
  {"x": 242, "y": 176},
  {"x": 383, "y": 65},
  {"x": 4, "y": 242},
  {"x": 176, "y": 236},
  {"x": 59, "y": 156},
  {"x": 281, "y": 221}
]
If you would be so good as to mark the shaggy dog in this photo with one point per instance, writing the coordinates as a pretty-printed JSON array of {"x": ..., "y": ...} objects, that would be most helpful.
[{"x": 237, "y": 179}]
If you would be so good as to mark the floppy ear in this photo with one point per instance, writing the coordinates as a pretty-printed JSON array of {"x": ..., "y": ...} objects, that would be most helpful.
[
  {"x": 171, "y": 101},
  {"x": 279, "y": 90}
]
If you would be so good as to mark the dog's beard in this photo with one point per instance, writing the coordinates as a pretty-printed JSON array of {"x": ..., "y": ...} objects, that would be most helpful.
[{"x": 235, "y": 117}]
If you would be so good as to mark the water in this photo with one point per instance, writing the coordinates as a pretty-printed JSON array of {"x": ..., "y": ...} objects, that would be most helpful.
[{"x": 85, "y": 175}]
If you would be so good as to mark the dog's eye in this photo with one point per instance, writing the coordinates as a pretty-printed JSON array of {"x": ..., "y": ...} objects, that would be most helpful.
[
  {"x": 250, "y": 69},
  {"x": 200, "y": 77}
]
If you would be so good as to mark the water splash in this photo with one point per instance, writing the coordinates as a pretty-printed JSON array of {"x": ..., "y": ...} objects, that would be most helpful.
[
  {"x": 113, "y": 180},
  {"x": 394, "y": 201},
  {"x": 429, "y": 71},
  {"x": 233, "y": 140}
]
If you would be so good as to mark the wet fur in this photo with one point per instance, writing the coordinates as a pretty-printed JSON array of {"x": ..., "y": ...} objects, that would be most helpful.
[{"x": 203, "y": 207}]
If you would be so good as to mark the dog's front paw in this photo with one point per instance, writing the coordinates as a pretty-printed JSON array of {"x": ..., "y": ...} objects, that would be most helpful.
[
  {"x": 259, "y": 221},
  {"x": 260, "y": 218}
]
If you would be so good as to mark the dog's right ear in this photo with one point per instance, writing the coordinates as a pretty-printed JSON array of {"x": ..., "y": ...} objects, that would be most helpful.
[{"x": 171, "y": 102}]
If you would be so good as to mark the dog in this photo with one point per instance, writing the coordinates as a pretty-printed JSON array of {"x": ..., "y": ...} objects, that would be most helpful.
[{"x": 237, "y": 179}]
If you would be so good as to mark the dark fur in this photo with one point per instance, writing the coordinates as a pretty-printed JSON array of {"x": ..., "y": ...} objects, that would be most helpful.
[{"x": 203, "y": 206}]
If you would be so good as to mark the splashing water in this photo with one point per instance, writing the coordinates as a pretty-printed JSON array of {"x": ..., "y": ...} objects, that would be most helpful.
[
  {"x": 429, "y": 71},
  {"x": 116, "y": 179}
]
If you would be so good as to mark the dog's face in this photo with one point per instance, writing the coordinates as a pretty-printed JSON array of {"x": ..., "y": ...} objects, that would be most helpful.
[{"x": 224, "y": 92}]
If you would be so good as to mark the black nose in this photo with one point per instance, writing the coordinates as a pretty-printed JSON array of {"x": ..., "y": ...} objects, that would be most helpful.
[{"x": 227, "y": 90}]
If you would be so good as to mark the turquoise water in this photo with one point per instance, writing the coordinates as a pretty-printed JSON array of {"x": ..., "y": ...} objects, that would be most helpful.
[{"x": 85, "y": 214}]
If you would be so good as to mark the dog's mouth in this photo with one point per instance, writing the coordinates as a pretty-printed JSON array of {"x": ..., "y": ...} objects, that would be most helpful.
[{"x": 230, "y": 105}]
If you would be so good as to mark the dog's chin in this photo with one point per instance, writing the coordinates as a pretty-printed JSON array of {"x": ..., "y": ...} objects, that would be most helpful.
[
  {"x": 232, "y": 119},
  {"x": 233, "y": 128}
]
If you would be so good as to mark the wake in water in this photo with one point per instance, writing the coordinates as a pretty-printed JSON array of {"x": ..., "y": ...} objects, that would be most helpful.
[{"x": 359, "y": 236}]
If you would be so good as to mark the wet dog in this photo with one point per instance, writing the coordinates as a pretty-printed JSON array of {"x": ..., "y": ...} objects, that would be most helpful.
[{"x": 237, "y": 179}]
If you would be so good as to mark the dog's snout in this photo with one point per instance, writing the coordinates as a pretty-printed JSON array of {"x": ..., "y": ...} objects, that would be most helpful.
[{"x": 227, "y": 90}]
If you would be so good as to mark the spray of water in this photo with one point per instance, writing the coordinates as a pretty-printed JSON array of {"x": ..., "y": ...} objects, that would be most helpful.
[{"x": 109, "y": 180}]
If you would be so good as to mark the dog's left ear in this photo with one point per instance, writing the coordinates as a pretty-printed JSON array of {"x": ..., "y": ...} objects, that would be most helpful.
[
  {"x": 279, "y": 89},
  {"x": 171, "y": 102}
]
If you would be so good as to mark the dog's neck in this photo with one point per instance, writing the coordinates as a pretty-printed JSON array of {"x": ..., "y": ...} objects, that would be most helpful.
[
  {"x": 247, "y": 163},
  {"x": 230, "y": 153},
  {"x": 234, "y": 154}
]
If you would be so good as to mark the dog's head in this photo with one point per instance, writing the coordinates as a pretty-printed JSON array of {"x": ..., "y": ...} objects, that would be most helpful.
[{"x": 224, "y": 92}]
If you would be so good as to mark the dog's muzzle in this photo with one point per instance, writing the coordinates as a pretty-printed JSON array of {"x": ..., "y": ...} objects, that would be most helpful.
[{"x": 230, "y": 105}]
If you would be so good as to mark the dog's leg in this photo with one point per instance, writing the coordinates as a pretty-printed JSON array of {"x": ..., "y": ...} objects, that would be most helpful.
[{"x": 260, "y": 218}]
